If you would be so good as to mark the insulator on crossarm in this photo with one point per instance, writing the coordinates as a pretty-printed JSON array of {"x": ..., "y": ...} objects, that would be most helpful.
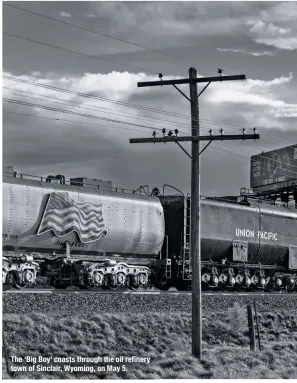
[
  {"x": 210, "y": 132},
  {"x": 221, "y": 131},
  {"x": 163, "y": 131},
  {"x": 170, "y": 133},
  {"x": 243, "y": 131},
  {"x": 154, "y": 135},
  {"x": 176, "y": 132},
  {"x": 160, "y": 75},
  {"x": 220, "y": 71}
]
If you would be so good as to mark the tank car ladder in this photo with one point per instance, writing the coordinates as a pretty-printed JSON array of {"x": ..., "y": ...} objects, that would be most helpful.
[{"x": 187, "y": 264}]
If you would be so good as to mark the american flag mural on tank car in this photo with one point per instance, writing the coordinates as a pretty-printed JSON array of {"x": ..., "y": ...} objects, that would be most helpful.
[{"x": 63, "y": 215}]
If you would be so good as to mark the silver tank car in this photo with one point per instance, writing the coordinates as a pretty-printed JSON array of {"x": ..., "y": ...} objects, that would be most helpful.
[
  {"x": 77, "y": 235},
  {"x": 43, "y": 216}
]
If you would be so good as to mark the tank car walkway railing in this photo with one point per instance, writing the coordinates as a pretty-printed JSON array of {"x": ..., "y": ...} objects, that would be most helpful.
[{"x": 61, "y": 180}]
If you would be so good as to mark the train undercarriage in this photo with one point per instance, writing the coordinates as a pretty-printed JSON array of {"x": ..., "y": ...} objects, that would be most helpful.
[
  {"x": 21, "y": 271},
  {"x": 238, "y": 277}
]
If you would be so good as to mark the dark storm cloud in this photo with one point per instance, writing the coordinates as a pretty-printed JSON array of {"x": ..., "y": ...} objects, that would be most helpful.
[{"x": 193, "y": 32}]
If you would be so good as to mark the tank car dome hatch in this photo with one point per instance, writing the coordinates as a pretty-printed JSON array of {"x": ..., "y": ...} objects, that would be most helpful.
[{"x": 156, "y": 192}]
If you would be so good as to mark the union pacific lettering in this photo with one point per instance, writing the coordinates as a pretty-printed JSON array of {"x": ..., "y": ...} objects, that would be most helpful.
[{"x": 256, "y": 234}]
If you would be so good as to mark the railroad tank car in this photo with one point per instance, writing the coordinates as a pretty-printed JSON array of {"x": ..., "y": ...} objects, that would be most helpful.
[
  {"x": 42, "y": 217},
  {"x": 245, "y": 242},
  {"x": 88, "y": 237}
]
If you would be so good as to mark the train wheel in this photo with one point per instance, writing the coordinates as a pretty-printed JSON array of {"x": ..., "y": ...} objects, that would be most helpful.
[
  {"x": 121, "y": 279},
  {"x": 290, "y": 284},
  {"x": 97, "y": 278},
  {"x": 109, "y": 283},
  {"x": 223, "y": 278},
  {"x": 278, "y": 283},
  {"x": 12, "y": 279},
  {"x": 254, "y": 282},
  {"x": 205, "y": 280},
  {"x": 291, "y": 289},
  {"x": 130, "y": 283}
]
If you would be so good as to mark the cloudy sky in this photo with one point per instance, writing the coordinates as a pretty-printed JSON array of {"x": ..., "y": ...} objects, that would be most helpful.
[{"x": 85, "y": 129}]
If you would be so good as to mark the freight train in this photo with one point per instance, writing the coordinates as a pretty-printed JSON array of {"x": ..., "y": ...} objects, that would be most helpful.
[{"x": 88, "y": 237}]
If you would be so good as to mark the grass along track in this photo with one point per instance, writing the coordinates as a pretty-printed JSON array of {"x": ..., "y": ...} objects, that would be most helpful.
[{"x": 166, "y": 339}]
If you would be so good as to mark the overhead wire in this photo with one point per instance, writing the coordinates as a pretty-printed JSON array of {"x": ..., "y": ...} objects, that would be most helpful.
[
  {"x": 241, "y": 157},
  {"x": 105, "y": 35},
  {"x": 207, "y": 121},
  {"x": 121, "y": 103},
  {"x": 55, "y": 88},
  {"x": 73, "y": 51},
  {"x": 111, "y": 111},
  {"x": 88, "y": 123},
  {"x": 53, "y": 109},
  {"x": 59, "y": 101},
  {"x": 93, "y": 107},
  {"x": 74, "y": 113},
  {"x": 95, "y": 32},
  {"x": 46, "y": 44},
  {"x": 96, "y": 117},
  {"x": 86, "y": 95},
  {"x": 72, "y": 121}
]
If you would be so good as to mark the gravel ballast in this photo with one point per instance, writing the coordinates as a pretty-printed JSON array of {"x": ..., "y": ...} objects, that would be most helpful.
[{"x": 74, "y": 303}]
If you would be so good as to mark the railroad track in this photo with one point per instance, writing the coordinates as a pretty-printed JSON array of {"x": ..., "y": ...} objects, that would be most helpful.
[{"x": 205, "y": 293}]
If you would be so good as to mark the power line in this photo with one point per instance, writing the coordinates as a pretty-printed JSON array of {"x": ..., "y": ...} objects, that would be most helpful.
[
  {"x": 241, "y": 156},
  {"x": 80, "y": 94},
  {"x": 113, "y": 101},
  {"x": 59, "y": 101},
  {"x": 96, "y": 108},
  {"x": 23, "y": 103},
  {"x": 112, "y": 37},
  {"x": 72, "y": 51},
  {"x": 122, "y": 103},
  {"x": 95, "y": 32},
  {"x": 93, "y": 124},
  {"x": 72, "y": 121},
  {"x": 99, "y": 33}
]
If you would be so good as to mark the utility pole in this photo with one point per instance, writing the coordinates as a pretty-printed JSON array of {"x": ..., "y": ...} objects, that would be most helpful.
[
  {"x": 195, "y": 138},
  {"x": 195, "y": 221}
]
